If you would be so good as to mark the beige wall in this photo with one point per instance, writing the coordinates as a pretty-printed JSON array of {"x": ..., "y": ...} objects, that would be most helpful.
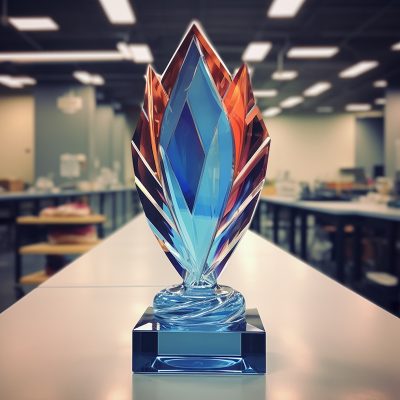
[
  {"x": 17, "y": 137},
  {"x": 310, "y": 147},
  {"x": 313, "y": 147}
]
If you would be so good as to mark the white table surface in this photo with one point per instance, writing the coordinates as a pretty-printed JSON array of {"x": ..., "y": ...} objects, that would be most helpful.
[
  {"x": 73, "y": 342},
  {"x": 129, "y": 257},
  {"x": 340, "y": 207}
]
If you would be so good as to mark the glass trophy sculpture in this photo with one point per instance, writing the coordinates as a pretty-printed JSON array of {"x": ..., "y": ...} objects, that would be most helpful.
[{"x": 200, "y": 153}]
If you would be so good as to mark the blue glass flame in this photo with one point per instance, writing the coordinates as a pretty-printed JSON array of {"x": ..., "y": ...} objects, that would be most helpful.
[
  {"x": 186, "y": 170},
  {"x": 197, "y": 157}
]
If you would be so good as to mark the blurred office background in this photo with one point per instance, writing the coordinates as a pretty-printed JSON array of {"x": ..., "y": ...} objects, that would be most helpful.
[{"x": 326, "y": 75}]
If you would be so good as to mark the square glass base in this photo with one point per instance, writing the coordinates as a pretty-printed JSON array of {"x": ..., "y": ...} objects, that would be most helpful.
[{"x": 156, "y": 350}]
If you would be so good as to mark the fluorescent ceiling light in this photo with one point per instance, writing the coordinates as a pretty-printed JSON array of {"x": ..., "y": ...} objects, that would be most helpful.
[
  {"x": 358, "y": 107},
  {"x": 284, "y": 8},
  {"x": 358, "y": 69},
  {"x": 141, "y": 53},
  {"x": 7, "y": 80},
  {"x": 317, "y": 89},
  {"x": 271, "y": 112},
  {"x": 284, "y": 75},
  {"x": 396, "y": 46},
  {"x": 123, "y": 48},
  {"x": 291, "y": 101},
  {"x": 60, "y": 56},
  {"x": 265, "y": 93},
  {"x": 380, "y": 84},
  {"x": 381, "y": 101},
  {"x": 25, "y": 80},
  {"x": 249, "y": 68},
  {"x": 82, "y": 76},
  {"x": 118, "y": 11},
  {"x": 97, "y": 80},
  {"x": 256, "y": 51},
  {"x": 313, "y": 52},
  {"x": 33, "y": 23},
  {"x": 88, "y": 79},
  {"x": 325, "y": 109},
  {"x": 16, "y": 82}
]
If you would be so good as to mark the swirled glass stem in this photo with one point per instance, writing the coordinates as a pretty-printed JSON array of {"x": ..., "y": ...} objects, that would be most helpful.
[{"x": 217, "y": 308}]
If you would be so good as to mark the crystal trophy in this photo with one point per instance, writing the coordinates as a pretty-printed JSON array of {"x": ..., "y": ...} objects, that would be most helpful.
[{"x": 200, "y": 153}]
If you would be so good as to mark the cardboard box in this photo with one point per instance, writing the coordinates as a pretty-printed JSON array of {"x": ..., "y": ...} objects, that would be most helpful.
[{"x": 12, "y": 185}]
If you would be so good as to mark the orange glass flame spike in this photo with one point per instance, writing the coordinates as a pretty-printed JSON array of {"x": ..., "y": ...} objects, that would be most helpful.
[
  {"x": 238, "y": 102},
  {"x": 155, "y": 103}
]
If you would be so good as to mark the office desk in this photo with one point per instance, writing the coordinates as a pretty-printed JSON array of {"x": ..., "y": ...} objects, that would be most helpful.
[
  {"x": 70, "y": 338},
  {"x": 13, "y": 200},
  {"x": 339, "y": 213},
  {"x": 119, "y": 203}
]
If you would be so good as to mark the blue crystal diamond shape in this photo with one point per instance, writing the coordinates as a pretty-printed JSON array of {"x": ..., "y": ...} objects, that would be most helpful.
[
  {"x": 186, "y": 155},
  {"x": 196, "y": 157}
]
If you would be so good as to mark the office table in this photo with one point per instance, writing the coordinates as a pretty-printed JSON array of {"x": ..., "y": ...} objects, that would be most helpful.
[
  {"x": 70, "y": 337},
  {"x": 339, "y": 213},
  {"x": 123, "y": 203},
  {"x": 13, "y": 200}
]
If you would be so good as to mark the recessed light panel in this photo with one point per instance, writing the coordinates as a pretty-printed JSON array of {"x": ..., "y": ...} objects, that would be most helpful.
[
  {"x": 16, "y": 82},
  {"x": 317, "y": 89},
  {"x": 88, "y": 79},
  {"x": 60, "y": 56},
  {"x": 284, "y": 8},
  {"x": 97, "y": 80},
  {"x": 256, "y": 51},
  {"x": 265, "y": 93},
  {"x": 249, "y": 68},
  {"x": 291, "y": 101},
  {"x": 396, "y": 47},
  {"x": 313, "y": 52},
  {"x": 380, "y": 84},
  {"x": 284, "y": 75},
  {"x": 33, "y": 23},
  {"x": 358, "y": 107},
  {"x": 141, "y": 53},
  {"x": 123, "y": 48},
  {"x": 271, "y": 112},
  {"x": 118, "y": 11},
  {"x": 358, "y": 69}
]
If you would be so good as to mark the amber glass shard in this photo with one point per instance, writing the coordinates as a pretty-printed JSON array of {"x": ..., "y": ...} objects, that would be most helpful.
[
  {"x": 245, "y": 185},
  {"x": 238, "y": 102},
  {"x": 256, "y": 134},
  {"x": 155, "y": 103},
  {"x": 249, "y": 134}
]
